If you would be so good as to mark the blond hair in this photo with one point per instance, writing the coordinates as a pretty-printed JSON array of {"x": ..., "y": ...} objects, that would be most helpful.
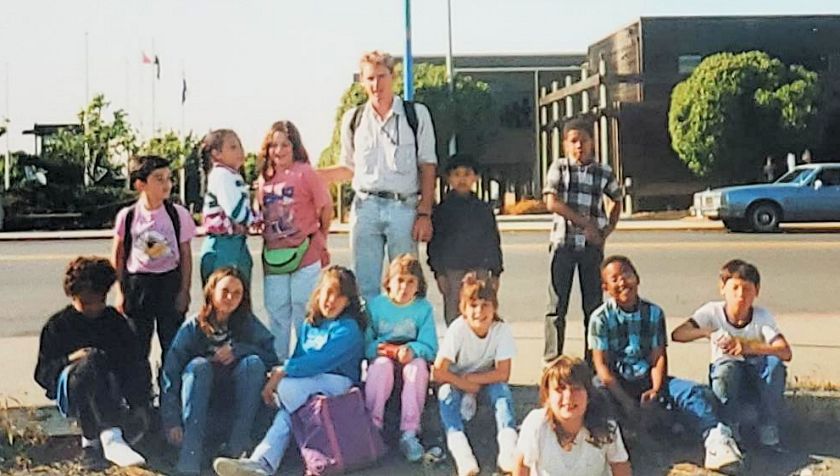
[{"x": 377, "y": 58}]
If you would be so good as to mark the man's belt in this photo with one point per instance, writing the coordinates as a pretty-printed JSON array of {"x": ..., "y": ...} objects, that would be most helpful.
[{"x": 388, "y": 195}]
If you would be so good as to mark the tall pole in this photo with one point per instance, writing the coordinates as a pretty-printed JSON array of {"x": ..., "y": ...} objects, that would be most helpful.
[
  {"x": 154, "y": 80},
  {"x": 450, "y": 73},
  {"x": 408, "y": 60},
  {"x": 7, "y": 173},
  {"x": 86, "y": 173},
  {"x": 182, "y": 172}
]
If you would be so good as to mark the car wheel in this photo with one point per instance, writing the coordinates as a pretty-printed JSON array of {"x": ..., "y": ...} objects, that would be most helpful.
[
  {"x": 736, "y": 225},
  {"x": 765, "y": 217}
]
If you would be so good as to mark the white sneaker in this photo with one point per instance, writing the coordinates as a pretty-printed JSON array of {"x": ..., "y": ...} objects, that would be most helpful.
[
  {"x": 507, "y": 450},
  {"x": 411, "y": 447},
  {"x": 238, "y": 467},
  {"x": 469, "y": 405},
  {"x": 768, "y": 435},
  {"x": 117, "y": 451},
  {"x": 722, "y": 452},
  {"x": 462, "y": 453}
]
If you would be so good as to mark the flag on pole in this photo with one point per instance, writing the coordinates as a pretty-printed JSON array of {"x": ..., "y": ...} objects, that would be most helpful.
[
  {"x": 157, "y": 67},
  {"x": 183, "y": 90},
  {"x": 146, "y": 59}
]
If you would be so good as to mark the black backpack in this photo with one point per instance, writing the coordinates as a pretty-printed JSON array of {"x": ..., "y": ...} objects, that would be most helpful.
[
  {"x": 410, "y": 117},
  {"x": 129, "y": 218}
]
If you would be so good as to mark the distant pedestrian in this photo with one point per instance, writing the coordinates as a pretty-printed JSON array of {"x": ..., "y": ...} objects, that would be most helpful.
[
  {"x": 89, "y": 360},
  {"x": 574, "y": 192},
  {"x": 227, "y": 209},
  {"x": 769, "y": 170},
  {"x": 791, "y": 161},
  {"x": 465, "y": 236},
  {"x": 388, "y": 150},
  {"x": 806, "y": 157}
]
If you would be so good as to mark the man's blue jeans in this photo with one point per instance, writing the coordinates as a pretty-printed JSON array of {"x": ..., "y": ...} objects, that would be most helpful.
[
  {"x": 497, "y": 395},
  {"x": 759, "y": 381},
  {"x": 248, "y": 378},
  {"x": 377, "y": 224}
]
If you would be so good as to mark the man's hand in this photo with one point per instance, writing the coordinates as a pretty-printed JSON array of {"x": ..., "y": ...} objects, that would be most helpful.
[
  {"x": 224, "y": 355},
  {"x": 593, "y": 235},
  {"x": 422, "y": 230},
  {"x": 404, "y": 354},
  {"x": 182, "y": 301},
  {"x": 79, "y": 354}
]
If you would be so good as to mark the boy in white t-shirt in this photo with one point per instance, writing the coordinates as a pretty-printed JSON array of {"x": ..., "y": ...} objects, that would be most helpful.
[
  {"x": 747, "y": 349},
  {"x": 474, "y": 361}
]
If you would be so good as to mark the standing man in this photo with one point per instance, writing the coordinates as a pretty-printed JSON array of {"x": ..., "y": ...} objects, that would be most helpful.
[
  {"x": 574, "y": 191},
  {"x": 388, "y": 150}
]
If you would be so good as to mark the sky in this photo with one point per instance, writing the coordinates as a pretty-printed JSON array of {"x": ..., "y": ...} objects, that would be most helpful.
[{"x": 248, "y": 63}]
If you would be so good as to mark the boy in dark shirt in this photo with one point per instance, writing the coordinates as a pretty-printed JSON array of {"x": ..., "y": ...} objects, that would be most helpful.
[
  {"x": 89, "y": 359},
  {"x": 465, "y": 237}
]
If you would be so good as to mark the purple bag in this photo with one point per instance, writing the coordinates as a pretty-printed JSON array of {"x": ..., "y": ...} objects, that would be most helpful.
[{"x": 336, "y": 434}]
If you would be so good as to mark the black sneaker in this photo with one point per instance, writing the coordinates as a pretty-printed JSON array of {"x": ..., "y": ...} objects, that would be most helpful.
[{"x": 92, "y": 459}]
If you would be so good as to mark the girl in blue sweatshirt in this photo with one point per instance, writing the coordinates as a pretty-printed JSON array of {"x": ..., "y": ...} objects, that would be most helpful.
[
  {"x": 217, "y": 360},
  {"x": 327, "y": 361},
  {"x": 401, "y": 333}
]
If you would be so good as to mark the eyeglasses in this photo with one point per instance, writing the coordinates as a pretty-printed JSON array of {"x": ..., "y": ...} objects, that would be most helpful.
[{"x": 394, "y": 137}]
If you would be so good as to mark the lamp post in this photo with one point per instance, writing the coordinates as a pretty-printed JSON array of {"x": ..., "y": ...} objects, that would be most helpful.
[
  {"x": 408, "y": 60},
  {"x": 450, "y": 73}
]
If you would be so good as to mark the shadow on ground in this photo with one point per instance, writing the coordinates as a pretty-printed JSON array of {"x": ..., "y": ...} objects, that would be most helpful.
[{"x": 813, "y": 448}]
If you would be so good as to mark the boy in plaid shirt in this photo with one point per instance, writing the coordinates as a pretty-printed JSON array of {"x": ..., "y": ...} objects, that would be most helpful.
[
  {"x": 627, "y": 338},
  {"x": 574, "y": 192}
]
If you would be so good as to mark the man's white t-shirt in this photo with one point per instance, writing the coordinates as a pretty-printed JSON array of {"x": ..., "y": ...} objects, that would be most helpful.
[
  {"x": 543, "y": 454},
  {"x": 470, "y": 353},
  {"x": 762, "y": 327}
]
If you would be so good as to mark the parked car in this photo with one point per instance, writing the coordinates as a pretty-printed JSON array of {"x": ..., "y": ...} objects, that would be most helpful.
[{"x": 808, "y": 193}]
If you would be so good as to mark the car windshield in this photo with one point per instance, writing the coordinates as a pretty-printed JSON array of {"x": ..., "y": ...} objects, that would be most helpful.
[{"x": 797, "y": 176}]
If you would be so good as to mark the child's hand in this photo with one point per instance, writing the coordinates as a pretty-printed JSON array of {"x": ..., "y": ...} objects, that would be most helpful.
[
  {"x": 270, "y": 387},
  {"x": 388, "y": 350},
  {"x": 119, "y": 301},
  {"x": 649, "y": 397},
  {"x": 175, "y": 436},
  {"x": 733, "y": 346},
  {"x": 224, "y": 355},
  {"x": 182, "y": 301},
  {"x": 79, "y": 354},
  {"x": 404, "y": 354}
]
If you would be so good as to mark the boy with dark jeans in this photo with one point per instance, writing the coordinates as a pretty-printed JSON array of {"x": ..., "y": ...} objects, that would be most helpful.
[
  {"x": 748, "y": 350},
  {"x": 89, "y": 361},
  {"x": 152, "y": 255},
  {"x": 465, "y": 236},
  {"x": 627, "y": 337},
  {"x": 574, "y": 192}
]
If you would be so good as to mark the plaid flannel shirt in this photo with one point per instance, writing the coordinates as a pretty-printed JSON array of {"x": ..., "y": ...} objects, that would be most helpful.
[
  {"x": 628, "y": 338},
  {"x": 582, "y": 188}
]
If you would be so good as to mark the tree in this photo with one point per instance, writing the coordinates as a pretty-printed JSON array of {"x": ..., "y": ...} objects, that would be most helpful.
[
  {"x": 470, "y": 112},
  {"x": 735, "y": 109}
]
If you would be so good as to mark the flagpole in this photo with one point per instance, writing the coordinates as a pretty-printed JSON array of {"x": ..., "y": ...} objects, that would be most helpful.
[
  {"x": 7, "y": 173},
  {"x": 86, "y": 173},
  {"x": 154, "y": 80},
  {"x": 182, "y": 173}
]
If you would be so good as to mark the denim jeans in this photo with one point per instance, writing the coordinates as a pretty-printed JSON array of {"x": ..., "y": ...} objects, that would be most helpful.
[
  {"x": 377, "y": 224},
  {"x": 497, "y": 395},
  {"x": 695, "y": 402},
  {"x": 285, "y": 297},
  {"x": 248, "y": 378},
  {"x": 757, "y": 380},
  {"x": 225, "y": 250},
  {"x": 293, "y": 394},
  {"x": 563, "y": 263}
]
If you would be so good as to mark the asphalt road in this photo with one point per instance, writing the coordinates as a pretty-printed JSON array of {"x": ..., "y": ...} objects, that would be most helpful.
[{"x": 678, "y": 269}]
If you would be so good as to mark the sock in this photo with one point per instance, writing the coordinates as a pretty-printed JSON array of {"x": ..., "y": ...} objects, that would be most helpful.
[
  {"x": 117, "y": 451},
  {"x": 94, "y": 443}
]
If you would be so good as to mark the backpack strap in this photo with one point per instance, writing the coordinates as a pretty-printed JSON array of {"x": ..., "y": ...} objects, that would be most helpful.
[
  {"x": 127, "y": 237},
  {"x": 176, "y": 225},
  {"x": 410, "y": 117}
]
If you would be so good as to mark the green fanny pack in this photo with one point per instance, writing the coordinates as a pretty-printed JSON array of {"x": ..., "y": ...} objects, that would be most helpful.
[{"x": 284, "y": 260}]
